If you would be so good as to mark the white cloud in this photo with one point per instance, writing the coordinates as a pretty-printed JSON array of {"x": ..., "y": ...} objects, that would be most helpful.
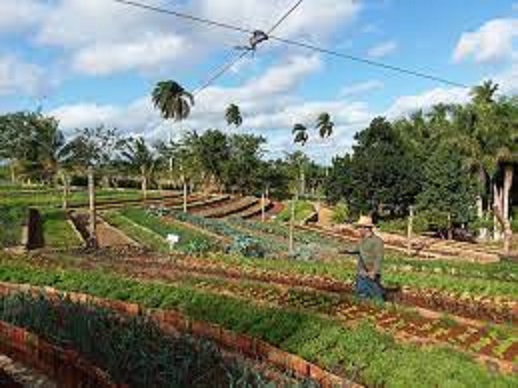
[
  {"x": 147, "y": 53},
  {"x": 407, "y": 104},
  {"x": 361, "y": 88},
  {"x": 17, "y": 77},
  {"x": 17, "y": 15},
  {"x": 383, "y": 49},
  {"x": 491, "y": 42},
  {"x": 267, "y": 102},
  {"x": 254, "y": 14}
]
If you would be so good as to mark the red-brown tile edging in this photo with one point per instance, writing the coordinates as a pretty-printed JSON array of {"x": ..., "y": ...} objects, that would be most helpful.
[
  {"x": 63, "y": 366},
  {"x": 171, "y": 319}
]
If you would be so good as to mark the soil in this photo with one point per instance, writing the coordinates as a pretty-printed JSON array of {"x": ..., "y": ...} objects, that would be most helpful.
[{"x": 408, "y": 326}]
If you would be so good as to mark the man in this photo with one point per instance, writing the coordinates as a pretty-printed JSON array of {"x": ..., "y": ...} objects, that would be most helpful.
[{"x": 370, "y": 252}]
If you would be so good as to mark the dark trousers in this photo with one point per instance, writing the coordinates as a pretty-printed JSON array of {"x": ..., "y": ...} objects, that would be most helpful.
[{"x": 369, "y": 288}]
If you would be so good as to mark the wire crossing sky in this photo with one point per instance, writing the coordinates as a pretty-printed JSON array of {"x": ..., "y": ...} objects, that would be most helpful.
[
  {"x": 96, "y": 62},
  {"x": 308, "y": 46}
]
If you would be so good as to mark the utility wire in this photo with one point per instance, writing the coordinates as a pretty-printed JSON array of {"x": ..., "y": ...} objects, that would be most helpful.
[
  {"x": 305, "y": 45},
  {"x": 238, "y": 58}
]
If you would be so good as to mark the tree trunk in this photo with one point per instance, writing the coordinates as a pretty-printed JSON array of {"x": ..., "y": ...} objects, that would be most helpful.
[
  {"x": 292, "y": 225},
  {"x": 410, "y": 230},
  {"x": 144, "y": 187},
  {"x": 302, "y": 180},
  {"x": 508, "y": 183},
  {"x": 13, "y": 172},
  {"x": 184, "y": 193},
  {"x": 499, "y": 219},
  {"x": 450, "y": 232},
  {"x": 263, "y": 213},
  {"x": 93, "y": 220},
  {"x": 65, "y": 190},
  {"x": 482, "y": 232}
]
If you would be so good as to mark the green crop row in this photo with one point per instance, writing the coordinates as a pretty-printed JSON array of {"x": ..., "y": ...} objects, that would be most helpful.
[
  {"x": 344, "y": 270},
  {"x": 191, "y": 241},
  {"x": 132, "y": 350},
  {"x": 57, "y": 231},
  {"x": 143, "y": 236},
  {"x": 11, "y": 220},
  {"x": 360, "y": 352}
]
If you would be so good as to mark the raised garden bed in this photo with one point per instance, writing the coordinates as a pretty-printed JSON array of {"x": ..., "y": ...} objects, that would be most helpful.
[{"x": 317, "y": 339}]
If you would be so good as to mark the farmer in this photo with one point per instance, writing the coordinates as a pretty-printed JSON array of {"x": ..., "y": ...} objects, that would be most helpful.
[{"x": 369, "y": 250}]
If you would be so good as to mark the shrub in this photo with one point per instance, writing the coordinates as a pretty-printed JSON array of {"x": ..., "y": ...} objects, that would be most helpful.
[{"x": 340, "y": 213}]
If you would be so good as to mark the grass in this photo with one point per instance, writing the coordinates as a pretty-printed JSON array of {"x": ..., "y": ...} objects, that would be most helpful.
[
  {"x": 11, "y": 220},
  {"x": 49, "y": 197},
  {"x": 143, "y": 236},
  {"x": 373, "y": 358},
  {"x": 57, "y": 230},
  {"x": 303, "y": 210},
  {"x": 191, "y": 241}
]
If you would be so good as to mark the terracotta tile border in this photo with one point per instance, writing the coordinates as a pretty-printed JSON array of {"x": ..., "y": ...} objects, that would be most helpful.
[
  {"x": 167, "y": 319},
  {"x": 66, "y": 367}
]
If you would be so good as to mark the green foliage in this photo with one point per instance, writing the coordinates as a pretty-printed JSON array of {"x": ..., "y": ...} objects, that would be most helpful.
[
  {"x": 11, "y": 220},
  {"x": 448, "y": 188},
  {"x": 132, "y": 350},
  {"x": 303, "y": 209},
  {"x": 246, "y": 246},
  {"x": 360, "y": 351},
  {"x": 147, "y": 238},
  {"x": 191, "y": 241},
  {"x": 340, "y": 213},
  {"x": 57, "y": 231}
]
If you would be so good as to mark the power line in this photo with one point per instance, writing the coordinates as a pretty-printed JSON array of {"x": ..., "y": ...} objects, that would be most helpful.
[
  {"x": 220, "y": 72},
  {"x": 284, "y": 17},
  {"x": 305, "y": 45},
  {"x": 236, "y": 59}
]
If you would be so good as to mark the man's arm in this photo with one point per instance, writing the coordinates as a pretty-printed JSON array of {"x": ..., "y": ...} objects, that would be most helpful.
[{"x": 355, "y": 249}]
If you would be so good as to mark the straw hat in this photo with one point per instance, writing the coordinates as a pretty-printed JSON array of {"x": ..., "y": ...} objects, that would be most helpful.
[{"x": 364, "y": 222}]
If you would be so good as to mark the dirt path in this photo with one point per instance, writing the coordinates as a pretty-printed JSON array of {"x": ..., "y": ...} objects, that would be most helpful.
[
  {"x": 111, "y": 237},
  {"x": 14, "y": 374}
]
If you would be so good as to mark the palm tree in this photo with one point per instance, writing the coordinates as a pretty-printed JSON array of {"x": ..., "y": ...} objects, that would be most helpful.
[
  {"x": 172, "y": 100},
  {"x": 141, "y": 158},
  {"x": 325, "y": 125},
  {"x": 484, "y": 93},
  {"x": 301, "y": 134},
  {"x": 233, "y": 115}
]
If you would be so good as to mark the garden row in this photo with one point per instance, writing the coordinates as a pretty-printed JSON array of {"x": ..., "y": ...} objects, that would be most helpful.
[
  {"x": 359, "y": 351},
  {"x": 133, "y": 349},
  {"x": 58, "y": 232}
]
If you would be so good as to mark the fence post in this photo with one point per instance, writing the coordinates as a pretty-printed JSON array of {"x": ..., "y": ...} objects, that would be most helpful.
[{"x": 409, "y": 230}]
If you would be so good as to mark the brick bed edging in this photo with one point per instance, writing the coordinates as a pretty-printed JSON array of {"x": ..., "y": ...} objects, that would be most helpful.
[
  {"x": 66, "y": 367},
  {"x": 171, "y": 321}
]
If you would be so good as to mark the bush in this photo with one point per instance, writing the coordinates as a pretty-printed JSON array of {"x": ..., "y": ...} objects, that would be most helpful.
[
  {"x": 340, "y": 213},
  {"x": 246, "y": 246}
]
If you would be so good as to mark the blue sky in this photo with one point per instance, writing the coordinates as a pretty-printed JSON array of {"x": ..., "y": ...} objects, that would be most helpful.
[{"x": 95, "y": 62}]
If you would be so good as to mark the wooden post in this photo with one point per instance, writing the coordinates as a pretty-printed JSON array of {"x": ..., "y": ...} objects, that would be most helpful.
[
  {"x": 292, "y": 224},
  {"x": 409, "y": 230},
  {"x": 91, "y": 196},
  {"x": 263, "y": 213}
]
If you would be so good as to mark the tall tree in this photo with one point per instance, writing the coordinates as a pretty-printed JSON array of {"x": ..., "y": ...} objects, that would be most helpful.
[
  {"x": 300, "y": 133},
  {"x": 233, "y": 115},
  {"x": 142, "y": 159},
  {"x": 325, "y": 125},
  {"x": 172, "y": 100}
]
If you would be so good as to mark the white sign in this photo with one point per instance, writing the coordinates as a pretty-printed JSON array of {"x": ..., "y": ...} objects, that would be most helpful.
[{"x": 172, "y": 240}]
